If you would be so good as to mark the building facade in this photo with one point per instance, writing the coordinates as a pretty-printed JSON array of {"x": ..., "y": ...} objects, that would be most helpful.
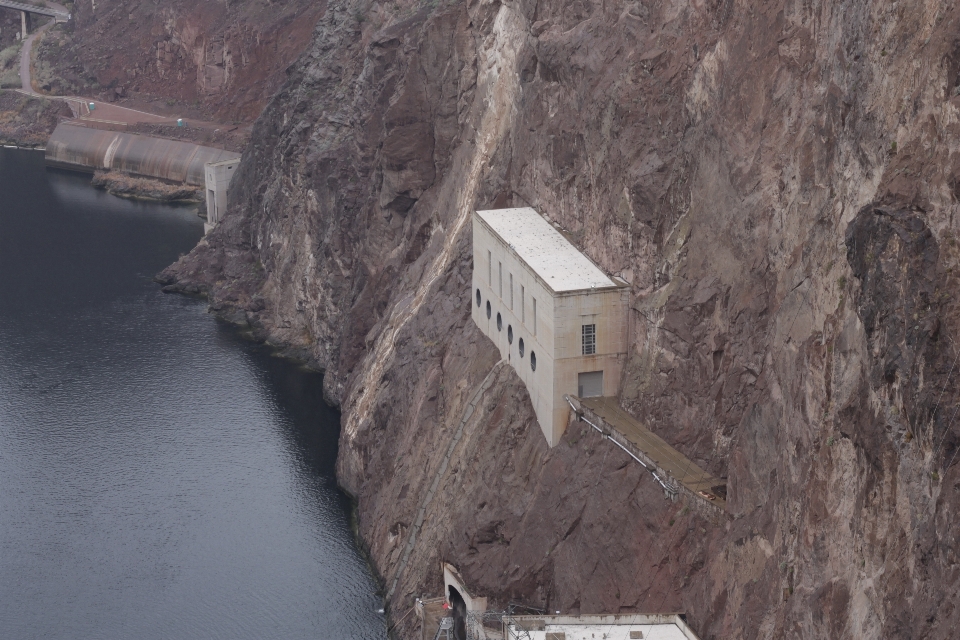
[
  {"x": 631, "y": 626},
  {"x": 217, "y": 180},
  {"x": 557, "y": 318}
]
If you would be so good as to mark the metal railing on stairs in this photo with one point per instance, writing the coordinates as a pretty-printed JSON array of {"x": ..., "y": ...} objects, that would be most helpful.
[{"x": 445, "y": 630}]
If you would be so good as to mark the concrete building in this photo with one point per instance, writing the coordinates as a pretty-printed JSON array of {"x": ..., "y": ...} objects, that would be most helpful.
[
  {"x": 636, "y": 626},
  {"x": 557, "y": 318},
  {"x": 217, "y": 179},
  {"x": 458, "y": 615}
]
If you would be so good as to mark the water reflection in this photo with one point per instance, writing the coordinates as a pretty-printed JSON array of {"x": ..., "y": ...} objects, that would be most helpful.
[{"x": 159, "y": 477}]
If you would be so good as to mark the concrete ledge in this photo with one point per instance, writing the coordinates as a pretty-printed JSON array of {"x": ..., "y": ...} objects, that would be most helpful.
[{"x": 700, "y": 498}]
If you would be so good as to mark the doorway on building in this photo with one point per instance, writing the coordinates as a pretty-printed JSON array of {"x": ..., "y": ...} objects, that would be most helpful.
[
  {"x": 211, "y": 206},
  {"x": 590, "y": 384},
  {"x": 459, "y": 606}
]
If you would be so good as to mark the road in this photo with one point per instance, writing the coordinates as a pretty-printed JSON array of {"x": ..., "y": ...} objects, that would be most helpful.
[
  {"x": 28, "y": 46},
  {"x": 102, "y": 112},
  {"x": 25, "y": 58}
]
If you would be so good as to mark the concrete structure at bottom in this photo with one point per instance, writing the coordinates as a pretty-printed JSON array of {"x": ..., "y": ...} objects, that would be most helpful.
[
  {"x": 555, "y": 316},
  {"x": 458, "y": 615},
  {"x": 218, "y": 176},
  {"x": 659, "y": 626}
]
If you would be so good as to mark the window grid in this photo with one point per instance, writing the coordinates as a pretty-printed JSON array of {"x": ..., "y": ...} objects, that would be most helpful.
[
  {"x": 511, "y": 292},
  {"x": 523, "y": 305},
  {"x": 589, "y": 332},
  {"x": 500, "y": 279},
  {"x": 490, "y": 268}
]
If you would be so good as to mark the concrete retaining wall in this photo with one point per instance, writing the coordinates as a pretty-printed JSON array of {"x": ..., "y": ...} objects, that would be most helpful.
[{"x": 83, "y": 149}]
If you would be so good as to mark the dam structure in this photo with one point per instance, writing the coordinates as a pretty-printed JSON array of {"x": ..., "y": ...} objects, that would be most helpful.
[
  {"x": 557, "y": 318},
  {"x": 80, "y": 148}
]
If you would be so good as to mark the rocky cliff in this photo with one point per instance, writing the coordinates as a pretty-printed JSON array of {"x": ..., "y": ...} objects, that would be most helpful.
[
  {"x": 777, "y": 180},
  {"x": 219, "y": 60}
]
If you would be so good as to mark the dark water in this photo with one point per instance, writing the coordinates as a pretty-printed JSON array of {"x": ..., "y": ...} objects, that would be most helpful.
[{"x": 159, "y": 477}]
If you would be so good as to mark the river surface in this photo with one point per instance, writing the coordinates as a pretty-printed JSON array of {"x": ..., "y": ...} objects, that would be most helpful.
[{"x": 159, "y": 476}]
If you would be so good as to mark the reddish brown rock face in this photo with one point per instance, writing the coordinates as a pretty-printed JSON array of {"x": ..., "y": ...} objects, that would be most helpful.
[
  {"x": 214, "y": 60},
  {"x": 729, "y": 160}
]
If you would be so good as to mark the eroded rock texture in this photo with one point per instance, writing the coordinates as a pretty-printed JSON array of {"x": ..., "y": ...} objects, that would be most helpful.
[
  {"x": 221, "y": 59},
  {"x": 777, "y": 180}
]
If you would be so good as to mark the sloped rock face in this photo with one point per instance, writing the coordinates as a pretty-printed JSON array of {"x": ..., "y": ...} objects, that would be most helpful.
[
  {"x": 217, "y": 59},
  {"x": 776, "y": 180}
]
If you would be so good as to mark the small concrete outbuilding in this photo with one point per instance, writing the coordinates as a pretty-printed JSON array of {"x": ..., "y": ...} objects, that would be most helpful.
[
  {"x": 218, "y": 176},
  {"x": 555, "y": 316}
]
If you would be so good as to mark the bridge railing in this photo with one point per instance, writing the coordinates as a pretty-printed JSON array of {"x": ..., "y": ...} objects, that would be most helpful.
[{"x": 57, "y": 14}]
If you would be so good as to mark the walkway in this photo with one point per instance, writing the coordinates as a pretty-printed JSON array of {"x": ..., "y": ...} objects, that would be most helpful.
[
  {"x": 25, "y": 58},
  {"x": 59, "y": 13},
  {"x": 432, "y": 613},
  {"x": 672, "y": 462}
]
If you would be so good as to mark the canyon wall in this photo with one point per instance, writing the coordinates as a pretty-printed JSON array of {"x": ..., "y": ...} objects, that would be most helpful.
[
  {"x": 221, "y": 59},
  {"x": 777, "y": 181}
]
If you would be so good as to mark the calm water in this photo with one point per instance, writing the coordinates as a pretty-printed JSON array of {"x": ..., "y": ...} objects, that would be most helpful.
[{"x": 159, "y": 477}]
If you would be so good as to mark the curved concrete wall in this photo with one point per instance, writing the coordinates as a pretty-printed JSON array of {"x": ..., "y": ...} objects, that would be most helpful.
[{"x": 84, "y": 149}]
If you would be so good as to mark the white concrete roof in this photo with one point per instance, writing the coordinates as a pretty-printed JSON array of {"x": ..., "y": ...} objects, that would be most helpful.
[
  {"x": 595, "y": 632},
  {"x": 544, "y": 249},
  {"x": 228, "y": 160},
  {"x": 595, "y": 627}
]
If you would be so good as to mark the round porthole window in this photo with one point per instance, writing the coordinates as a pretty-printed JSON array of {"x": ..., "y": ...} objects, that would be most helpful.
[
  {"x": 499, "y": 323},
  {"x": 478, "y": 297},
  {"x": 510, "y": 334},
  {"x": 533, "y": 360},
  {"x": 520, "y": 345},
  {"x": 488, "y": 309}
]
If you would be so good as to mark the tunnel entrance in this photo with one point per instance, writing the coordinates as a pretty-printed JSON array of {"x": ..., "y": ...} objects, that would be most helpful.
[{"x": 459, "y": 607}]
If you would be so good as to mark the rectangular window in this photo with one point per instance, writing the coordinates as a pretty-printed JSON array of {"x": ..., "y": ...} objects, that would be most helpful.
[
  {"x": 523, "y": 306},
  {"x": 490, "y": 268},
  {"x": 500, "y": 279},
  {"x": 511, "y": 292},
  {"x": 534, "y": 317},
  {"x": 589, "y": 332}
]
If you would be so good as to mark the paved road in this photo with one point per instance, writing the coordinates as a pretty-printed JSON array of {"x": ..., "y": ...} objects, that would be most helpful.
[
  {"x": 27, "y": 47},
  {"x": 25, "y": 58},
  {"x": 103, "y": 111}
]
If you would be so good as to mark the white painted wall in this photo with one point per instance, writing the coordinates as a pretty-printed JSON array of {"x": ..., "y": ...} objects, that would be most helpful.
[
  {"x": 452, "y": 578},
  {"x": 555, "y": 338},
  {"x": 217, "y": 182}
]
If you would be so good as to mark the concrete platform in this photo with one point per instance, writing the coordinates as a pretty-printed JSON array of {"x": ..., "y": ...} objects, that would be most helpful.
[
  {"x": 672, "y": 462},
  {"x": 432, "y": 612}
]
